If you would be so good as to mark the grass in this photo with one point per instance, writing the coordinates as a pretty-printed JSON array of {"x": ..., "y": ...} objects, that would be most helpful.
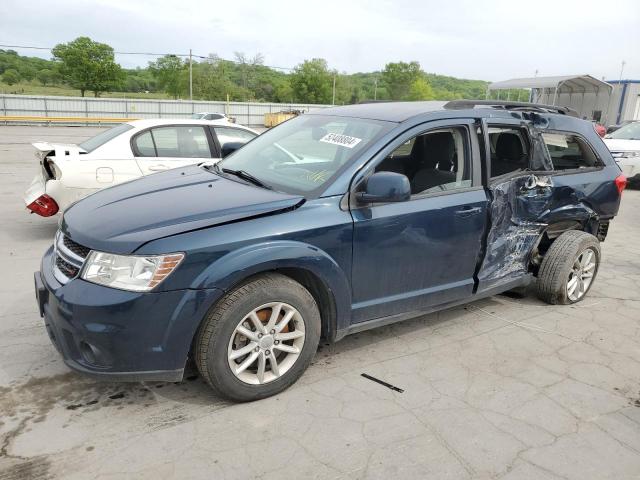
[{"x": 28, "y": 88}]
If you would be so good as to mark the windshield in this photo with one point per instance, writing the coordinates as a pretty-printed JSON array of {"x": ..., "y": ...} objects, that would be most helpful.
[
  {"x": 628, "y": 132},
  {"x": 303, "y": 154},
  {"x": 103, "y": 137}
]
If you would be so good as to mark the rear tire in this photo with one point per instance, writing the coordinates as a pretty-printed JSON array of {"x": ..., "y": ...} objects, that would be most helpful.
[
  {"x": 569, "y": 268},
  {"x": 259, "y": 338}
]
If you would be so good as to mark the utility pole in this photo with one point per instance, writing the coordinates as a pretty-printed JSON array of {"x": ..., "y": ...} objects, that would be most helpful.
[
  {"x": 190, "y": 77},
  {"x": 622, "y": 70},
  {"x": 333, "y": 98},
  {"x": 375, "y": 88}
]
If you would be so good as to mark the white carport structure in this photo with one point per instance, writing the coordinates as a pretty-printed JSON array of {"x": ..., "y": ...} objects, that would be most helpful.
[{"x": 564, "y": 90}]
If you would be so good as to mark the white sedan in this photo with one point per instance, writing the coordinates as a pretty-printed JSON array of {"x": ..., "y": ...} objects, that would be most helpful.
[
  {"x": 624, "y": 145},
  {"x": 70, "y": 172}
]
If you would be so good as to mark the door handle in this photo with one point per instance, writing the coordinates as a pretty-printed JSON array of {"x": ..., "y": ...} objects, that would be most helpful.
[
  {"x": 468, "y": 211},
  {"x": 158, "y": 168}
]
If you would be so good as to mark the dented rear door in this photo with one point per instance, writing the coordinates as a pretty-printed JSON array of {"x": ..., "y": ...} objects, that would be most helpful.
[{"x": 531, "y": 207}]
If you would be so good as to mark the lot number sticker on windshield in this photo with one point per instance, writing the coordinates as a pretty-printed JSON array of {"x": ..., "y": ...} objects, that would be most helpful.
[{"x": 342, "y": 140}]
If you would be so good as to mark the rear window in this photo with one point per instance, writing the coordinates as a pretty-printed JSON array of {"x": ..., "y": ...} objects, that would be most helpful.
[
  {"x": 568, "y": 151},
  {"x": 103, "y": 137}
]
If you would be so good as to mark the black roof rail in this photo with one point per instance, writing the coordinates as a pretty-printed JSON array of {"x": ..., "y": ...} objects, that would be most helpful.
[{"x": 507, "y": 105}]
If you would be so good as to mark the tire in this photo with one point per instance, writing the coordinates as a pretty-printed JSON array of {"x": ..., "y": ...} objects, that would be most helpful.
[
  {"x": 561, "y": 265},
  {"x": 218, "y": 338}
]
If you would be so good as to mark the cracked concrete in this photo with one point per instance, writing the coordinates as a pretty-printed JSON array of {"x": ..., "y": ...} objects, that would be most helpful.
[{"x": 502, "y": 388}]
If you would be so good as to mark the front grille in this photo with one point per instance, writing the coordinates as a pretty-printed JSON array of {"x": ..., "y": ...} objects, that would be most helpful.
[
  {"x": 69, "y": 258},
  {"x": 75, "y": 247},
  {"x": 69, "y": 271}
]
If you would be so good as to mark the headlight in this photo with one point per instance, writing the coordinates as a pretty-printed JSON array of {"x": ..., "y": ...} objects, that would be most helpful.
[{"x": 136, "y": 273}]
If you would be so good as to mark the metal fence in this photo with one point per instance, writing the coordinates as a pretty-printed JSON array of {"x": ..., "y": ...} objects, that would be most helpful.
[{"x": 249, "y": 113}]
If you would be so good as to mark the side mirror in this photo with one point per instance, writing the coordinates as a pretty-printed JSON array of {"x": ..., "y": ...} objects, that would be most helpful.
[
  {"x": 230, "y": 147},
  {"x": 385, "y": 187}
]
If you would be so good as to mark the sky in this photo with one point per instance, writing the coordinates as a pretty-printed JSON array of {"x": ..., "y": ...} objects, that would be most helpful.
[{"x": 488, "y": 40}]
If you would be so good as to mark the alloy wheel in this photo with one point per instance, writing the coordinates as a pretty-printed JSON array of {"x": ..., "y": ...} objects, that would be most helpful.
[
  {"x": 266, "y": 343},
  {"x": 581, "y": 275}
]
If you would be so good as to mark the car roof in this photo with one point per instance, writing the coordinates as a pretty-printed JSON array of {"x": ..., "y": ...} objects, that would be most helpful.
[
  {"x": 399, "y": 112},
  {"x": 386, "y": 111},
  {"x": 154, "y": 122}
]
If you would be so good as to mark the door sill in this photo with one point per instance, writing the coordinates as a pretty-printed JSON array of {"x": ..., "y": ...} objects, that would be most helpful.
[{"x": 382, "y": 321}]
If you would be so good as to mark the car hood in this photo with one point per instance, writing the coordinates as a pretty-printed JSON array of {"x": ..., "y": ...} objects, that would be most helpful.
[
  {"x": 122, "y": 218},
  {"x": 621, "y": 145}
]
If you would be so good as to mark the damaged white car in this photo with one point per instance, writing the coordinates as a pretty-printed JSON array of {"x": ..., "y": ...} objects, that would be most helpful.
[{"x": 70, "y": 172}]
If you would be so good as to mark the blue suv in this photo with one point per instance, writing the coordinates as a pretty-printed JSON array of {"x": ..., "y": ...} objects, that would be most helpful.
[{"x": 334, "y": 222}]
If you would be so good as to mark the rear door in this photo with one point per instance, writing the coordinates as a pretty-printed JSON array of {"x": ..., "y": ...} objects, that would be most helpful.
[
  {"x": 521, "y": 190},
  {"x": 411, "y": 255},
  {"x": 171, "y": 146}
]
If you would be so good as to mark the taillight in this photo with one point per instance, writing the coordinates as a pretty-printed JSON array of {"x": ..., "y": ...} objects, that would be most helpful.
[
  {"x": 621, "y": 183},
  {"x": 44, "y": 205}
]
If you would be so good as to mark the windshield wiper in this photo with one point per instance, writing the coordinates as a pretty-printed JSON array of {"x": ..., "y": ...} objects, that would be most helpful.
[{"x": 244, "y": 175}]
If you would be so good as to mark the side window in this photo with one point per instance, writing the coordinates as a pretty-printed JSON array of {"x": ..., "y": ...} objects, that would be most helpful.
[
  {"x": 569, "y": 151},
  {"x": 144, "y": 145},
  {"x": 228, "y": 134},
  {"x": 181, "y": 142},
  {"x": 510, "y": 150},
  {"x": 436, "y": 161}
]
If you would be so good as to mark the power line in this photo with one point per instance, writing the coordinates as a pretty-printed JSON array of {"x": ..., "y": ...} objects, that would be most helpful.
[{"x": 149, "y": 54}]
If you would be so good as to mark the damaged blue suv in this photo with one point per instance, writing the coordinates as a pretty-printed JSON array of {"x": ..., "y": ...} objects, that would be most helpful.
[{"x": 334, "y": 222}]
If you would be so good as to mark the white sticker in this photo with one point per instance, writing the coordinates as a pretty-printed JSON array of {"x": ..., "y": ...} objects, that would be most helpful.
[{"x": 342, "y": 140}]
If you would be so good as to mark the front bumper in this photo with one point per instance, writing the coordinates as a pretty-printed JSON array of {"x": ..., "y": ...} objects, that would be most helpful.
[{"x": 120, "y": 335}]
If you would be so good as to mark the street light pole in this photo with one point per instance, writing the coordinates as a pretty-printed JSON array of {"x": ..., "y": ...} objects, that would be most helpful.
[
  {"x": 333, "y": 98},
  {"x": 190, "y": 77},
  {"x": 375, "y": 89}
]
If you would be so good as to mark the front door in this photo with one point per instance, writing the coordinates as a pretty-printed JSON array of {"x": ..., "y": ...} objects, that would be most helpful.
[
  {"x": 412, "y": 255},
  {"x": 171, "y": 146}
]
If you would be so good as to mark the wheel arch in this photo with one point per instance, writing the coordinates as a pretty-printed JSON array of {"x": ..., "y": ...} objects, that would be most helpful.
[
  {"x": 576, "y": 216},
  {"x": 308, "y": 265}
]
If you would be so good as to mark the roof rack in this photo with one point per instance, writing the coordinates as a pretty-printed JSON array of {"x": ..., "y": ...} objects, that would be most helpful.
[{"x": 506, "y": 105}]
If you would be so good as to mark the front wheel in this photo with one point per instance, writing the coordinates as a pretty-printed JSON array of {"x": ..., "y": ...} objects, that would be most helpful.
[
  {"x": 259, "y": 339},
  {"x": 569, "y": 268}
]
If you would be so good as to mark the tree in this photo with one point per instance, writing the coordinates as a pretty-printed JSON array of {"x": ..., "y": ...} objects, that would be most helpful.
[
  {"x": 398, "y": 78},
  {"x": 170, "y": 72},
  {"x": 420, "y": 90},
  {"x": 88, "y": 65},
  {"x": 211, "y": 81},
  {"x": 247, "y": 68},
  {"x": 311, "y": 81},
  {"x": 11, "y": 76},
  {"x": 45, "y": 76}
]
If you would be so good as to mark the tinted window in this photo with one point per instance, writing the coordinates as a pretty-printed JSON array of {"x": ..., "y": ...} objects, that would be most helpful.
[
  {"x": 228, "y": 134},
  {"x": 174, "y": 141},
  {"x": 569, "y": 151},
  {"x": 102, "y": 138},
  {"x": 510, "y": 150},
  {"x": 144, "y": 145},
  {"x": 433, "y": 162}
]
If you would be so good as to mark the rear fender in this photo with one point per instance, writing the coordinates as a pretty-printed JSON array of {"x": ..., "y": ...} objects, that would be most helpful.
[{"x": 231, "y": 269}]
